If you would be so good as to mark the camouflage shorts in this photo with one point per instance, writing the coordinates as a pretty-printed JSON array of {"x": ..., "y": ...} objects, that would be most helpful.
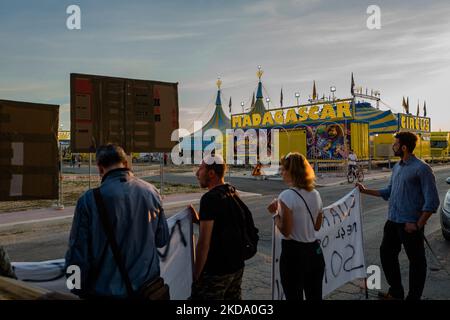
[{"x": 223, "y": 287}]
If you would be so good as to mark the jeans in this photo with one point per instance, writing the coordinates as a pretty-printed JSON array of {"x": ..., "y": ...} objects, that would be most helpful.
[
  {"x": 394, "y": 236},
  {"x": 301, "y": 270}
]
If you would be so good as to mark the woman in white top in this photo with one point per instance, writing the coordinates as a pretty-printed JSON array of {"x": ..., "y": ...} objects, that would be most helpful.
[{"x": 298, "y": 214}]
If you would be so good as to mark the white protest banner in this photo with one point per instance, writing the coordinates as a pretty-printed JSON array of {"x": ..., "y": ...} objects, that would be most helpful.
[
  {"x": 341, "y": 241},
  {"x": 176, "y": 262},
  {"x": 177, "y": 258}
]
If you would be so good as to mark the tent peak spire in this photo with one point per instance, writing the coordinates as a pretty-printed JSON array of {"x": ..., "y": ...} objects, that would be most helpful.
[
  {"x": 259, "y": 93},
  {"x": 218, "y": 82},
  {"x": 218, "y": 99}
]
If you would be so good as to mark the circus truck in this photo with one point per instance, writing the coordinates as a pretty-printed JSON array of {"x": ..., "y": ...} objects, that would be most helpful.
[{"x": 440, "y": 145}]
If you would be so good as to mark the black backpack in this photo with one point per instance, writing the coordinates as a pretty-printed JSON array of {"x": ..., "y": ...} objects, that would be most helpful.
[{"x": 250, "y": 235}]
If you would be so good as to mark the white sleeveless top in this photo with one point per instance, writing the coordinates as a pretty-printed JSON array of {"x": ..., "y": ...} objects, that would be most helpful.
[{"x": 303, "y": 228}]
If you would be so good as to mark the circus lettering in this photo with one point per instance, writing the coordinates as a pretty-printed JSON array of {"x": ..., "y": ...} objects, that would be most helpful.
[{"x": 324, "y": 112}]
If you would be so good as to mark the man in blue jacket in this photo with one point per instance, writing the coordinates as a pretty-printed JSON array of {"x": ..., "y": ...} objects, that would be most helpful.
[
  {"x": 413, "y": 198},
  {"x": 135, "y": 211}
]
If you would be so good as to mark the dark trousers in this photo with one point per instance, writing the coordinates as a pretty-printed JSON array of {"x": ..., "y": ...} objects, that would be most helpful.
[
  {"x": 393, "y": 238},
  {"x": 301, "y": 269}
]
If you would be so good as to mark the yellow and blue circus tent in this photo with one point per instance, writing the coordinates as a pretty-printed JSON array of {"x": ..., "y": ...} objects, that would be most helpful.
[
  {"x": 258, "y": 107},
  {"x": 379, "y": 121},
  {"x": 219, "y": 120}
]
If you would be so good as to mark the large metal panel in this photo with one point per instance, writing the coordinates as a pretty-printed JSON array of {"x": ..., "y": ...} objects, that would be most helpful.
[
  {"x": 139, "y": 115},
  {"x": 28, "y": 151}
]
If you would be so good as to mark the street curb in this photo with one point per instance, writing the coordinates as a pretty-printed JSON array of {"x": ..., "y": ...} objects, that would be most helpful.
[
  {"x": 33, "y": 221},
  {"x": 341, "y": 182},
  {"x": 169, "y": 205},
  {"x": 377, "y": 177}
]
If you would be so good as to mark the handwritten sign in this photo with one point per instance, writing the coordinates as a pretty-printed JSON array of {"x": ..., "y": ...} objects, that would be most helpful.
[{"x": 342, "y": 245}]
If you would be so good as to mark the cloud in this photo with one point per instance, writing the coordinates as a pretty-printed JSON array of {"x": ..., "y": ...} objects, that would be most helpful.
[
  {"x": 158, "y": 36},
  {"x": 295, "y": 41}
]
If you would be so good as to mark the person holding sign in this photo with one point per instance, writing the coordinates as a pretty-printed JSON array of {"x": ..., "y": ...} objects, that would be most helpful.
[
  {"x": 115, "y": 234},
  {"x": 226, "y": 233},
  {"x": 297, "y": 213},
  {"x": 6, "y": 270},
  {"x": 413, "y": 197}
]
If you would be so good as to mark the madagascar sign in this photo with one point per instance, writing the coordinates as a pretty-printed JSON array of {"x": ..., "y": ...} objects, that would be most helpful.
[
  {"x": 414, "y": 123},
  {"x": 323, "y": 112}
]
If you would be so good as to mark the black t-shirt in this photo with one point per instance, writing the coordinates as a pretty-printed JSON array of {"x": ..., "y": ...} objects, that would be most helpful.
[{"x": 225, "y": 254}]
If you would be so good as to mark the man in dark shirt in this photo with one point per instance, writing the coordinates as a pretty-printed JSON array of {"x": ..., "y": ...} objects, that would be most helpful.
[
  {"x": 219, "y": 263},
  {"x": 413, "y": 198}
]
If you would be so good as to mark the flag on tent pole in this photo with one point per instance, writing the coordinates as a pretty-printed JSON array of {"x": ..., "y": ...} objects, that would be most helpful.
[
  {"x": 418, "y": 108},
  {"x": 352, "y": 89},
  {"x": 229, "y": 105},
  {"x": 281, "y": 97},
  {"x": 253, "y": 100},
  {"x": 407, "y": 105},
  {"x": 404, "y": 104},
  {"x": 314, "y": 93},
  {"x": 424, "y": 108}
]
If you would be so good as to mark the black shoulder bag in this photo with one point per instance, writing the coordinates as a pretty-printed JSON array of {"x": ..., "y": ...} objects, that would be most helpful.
[
  {"x": 153, "y": 290},
  {"x": 307, "y": 207}
]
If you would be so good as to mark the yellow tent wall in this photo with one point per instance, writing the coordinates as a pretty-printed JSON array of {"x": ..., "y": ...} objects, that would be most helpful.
[
  {"x": 292, "y": 141},
  {"x": 423, "y": 148},
  {"x": 360, "y": 139}
]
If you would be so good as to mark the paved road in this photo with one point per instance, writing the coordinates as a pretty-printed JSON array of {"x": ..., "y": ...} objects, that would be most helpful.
[{"x": 50, "y": 242}]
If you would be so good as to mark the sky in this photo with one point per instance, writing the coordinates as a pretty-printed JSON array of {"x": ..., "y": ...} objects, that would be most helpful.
[{"x": 193, "y": 42}]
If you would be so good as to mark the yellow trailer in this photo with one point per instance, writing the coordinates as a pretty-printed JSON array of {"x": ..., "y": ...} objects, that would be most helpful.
[
  {"x": 382, "y": 145},
  {"x": 423, "y": 149},
  {"x": 439, "y": 144}
]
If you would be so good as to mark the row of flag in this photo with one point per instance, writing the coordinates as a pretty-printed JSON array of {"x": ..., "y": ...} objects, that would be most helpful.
[{"x": 405, "y": 103}]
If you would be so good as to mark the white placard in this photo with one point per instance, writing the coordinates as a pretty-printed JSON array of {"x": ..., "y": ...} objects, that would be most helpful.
[{"x": 341, "y": 240}]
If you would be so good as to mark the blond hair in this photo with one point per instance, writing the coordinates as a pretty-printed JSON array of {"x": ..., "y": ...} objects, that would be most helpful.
[{"x": 300, "y": 171}]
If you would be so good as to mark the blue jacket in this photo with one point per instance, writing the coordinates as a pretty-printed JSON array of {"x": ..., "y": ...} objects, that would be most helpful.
[
  {"x": 411, "y": 191},
  {"x": 135, "y": 211}
]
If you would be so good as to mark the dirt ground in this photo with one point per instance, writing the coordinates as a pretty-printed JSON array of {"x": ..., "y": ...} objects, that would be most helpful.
[{"x": 73, "y": 189}]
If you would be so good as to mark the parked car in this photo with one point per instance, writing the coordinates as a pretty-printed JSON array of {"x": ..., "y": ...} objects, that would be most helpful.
[
  {"x": 445, "y": 214},
  {"x": 144, "y": 158}
]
